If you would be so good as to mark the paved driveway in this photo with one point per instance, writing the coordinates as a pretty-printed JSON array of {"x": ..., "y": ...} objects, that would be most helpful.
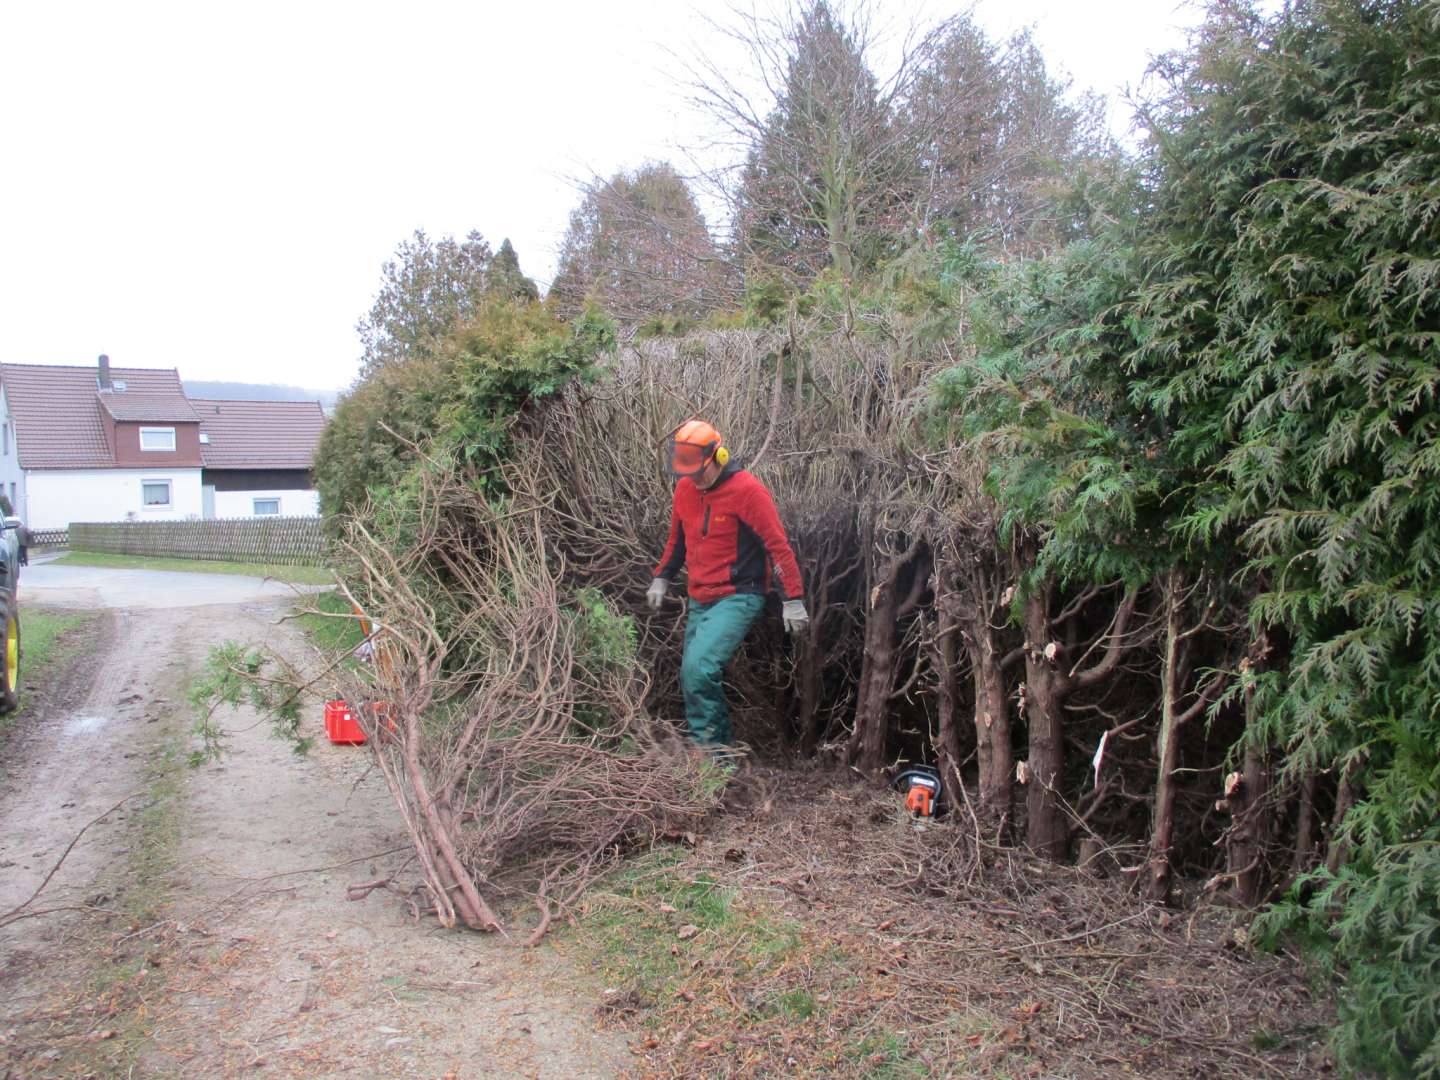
[{"x": 51, "y": 585}]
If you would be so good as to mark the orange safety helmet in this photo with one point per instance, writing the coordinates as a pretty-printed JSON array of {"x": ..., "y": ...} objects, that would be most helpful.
[{"x": 692, "y": 446}]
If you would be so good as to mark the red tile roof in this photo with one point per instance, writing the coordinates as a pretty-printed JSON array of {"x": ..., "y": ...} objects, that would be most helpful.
[
  {"x": 133, "y": 406},
  {"x": 259, "y": 434},
  {"x": 57, "y": 410}
]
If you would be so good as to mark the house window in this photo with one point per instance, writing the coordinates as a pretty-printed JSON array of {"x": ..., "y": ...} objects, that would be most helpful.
[
  {"x": 155, "y": 494},
  {"x": 266, "y": 506},
  {"x": 7, "y": 438},
  {"x": 157, "y": 438}
]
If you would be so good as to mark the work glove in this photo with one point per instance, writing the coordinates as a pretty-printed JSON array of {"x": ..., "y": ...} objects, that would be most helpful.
[
  {"x": 655, "y": 595},
  {"x": 795, "y": 617}
]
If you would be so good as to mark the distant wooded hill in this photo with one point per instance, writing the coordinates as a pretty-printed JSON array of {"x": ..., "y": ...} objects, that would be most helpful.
[{"x": 238, "y": 391}]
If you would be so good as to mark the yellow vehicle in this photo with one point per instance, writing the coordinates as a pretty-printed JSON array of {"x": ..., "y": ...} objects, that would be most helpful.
[{"x": 10, "y": 608}]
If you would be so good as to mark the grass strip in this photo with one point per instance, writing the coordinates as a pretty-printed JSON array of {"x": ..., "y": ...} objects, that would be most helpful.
[
  {"x": 326, "y": 618},
  {"x": 49, "y": 640},
  {"x": 721, "y": 980},
  {"x": 295, "y": 575},
  {"x": 125, "y": 982}
]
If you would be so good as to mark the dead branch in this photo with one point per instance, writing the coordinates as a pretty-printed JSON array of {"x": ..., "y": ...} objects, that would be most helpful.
[
  {"x": 516, "y": 747},
  {"x": 18, "y": 912}
]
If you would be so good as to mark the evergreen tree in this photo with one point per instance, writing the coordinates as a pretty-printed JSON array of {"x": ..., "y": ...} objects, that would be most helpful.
[
  {"x": 506, "y": 277},
  {"x": 459, "y": 401},
  {"x": 994, "y": 139},
  {"x": 637, "y": 245},
  {"x": 822, "y": 180},
  {"x": 428, "y": 288}
]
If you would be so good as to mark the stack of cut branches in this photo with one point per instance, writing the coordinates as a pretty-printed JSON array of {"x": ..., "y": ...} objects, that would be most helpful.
[{"x": 504, "y": 715}]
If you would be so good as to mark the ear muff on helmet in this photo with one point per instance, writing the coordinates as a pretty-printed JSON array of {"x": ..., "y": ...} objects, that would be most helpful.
[{"x": 722, "y": 457}]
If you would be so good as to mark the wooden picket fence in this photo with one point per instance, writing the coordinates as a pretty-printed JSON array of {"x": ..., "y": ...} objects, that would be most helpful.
[
  {"x": 49, "y": 537},
  {"x": 282, "y": 540}
]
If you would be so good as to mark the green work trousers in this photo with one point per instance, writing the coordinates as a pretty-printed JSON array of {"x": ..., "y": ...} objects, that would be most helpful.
[{"x": 712, "y": 634}]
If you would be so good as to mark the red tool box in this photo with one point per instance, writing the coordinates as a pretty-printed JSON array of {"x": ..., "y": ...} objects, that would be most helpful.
[{"x": 341, "y": 726}]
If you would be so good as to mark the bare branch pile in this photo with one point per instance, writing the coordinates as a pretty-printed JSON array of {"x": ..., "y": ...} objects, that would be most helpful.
[{"x": 505, "y": 715}]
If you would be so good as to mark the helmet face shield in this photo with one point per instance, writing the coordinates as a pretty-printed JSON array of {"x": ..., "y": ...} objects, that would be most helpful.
[
  {"x": 685, "y": 459},
  {"x": 691, "y": 447}
]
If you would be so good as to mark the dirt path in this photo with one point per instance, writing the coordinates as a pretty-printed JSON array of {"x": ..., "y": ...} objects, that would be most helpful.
[{"x": 231, "y": 948}]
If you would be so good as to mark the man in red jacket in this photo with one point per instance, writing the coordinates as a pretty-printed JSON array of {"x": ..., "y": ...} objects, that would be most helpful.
[{"x": 725, "y": 531}]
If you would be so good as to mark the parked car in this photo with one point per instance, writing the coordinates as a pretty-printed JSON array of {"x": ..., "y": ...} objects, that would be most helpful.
[{"x": 10, "y": 610}]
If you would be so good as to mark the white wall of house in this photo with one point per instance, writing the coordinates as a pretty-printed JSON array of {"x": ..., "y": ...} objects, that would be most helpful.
[
  {"x": 241, "y": 504},
  {"x": 12, "y": 480},
  {"x": 56, "y": 497}
]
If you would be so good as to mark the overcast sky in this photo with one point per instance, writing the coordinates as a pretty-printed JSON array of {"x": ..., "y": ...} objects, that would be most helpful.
[{"x": 215, "y": 187}]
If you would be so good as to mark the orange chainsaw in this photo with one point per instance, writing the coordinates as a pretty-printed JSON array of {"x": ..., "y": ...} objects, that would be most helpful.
[{"x": 924, "y": 797}]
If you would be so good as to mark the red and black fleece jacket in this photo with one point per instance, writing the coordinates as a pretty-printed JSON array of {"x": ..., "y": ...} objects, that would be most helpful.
[{"x": 727, "y": 537}]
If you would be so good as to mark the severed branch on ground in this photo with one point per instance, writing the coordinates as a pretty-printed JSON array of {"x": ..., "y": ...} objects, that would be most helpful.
[
  {"x": 25, "y": 909},
  {"x": 504, "y": 712}
]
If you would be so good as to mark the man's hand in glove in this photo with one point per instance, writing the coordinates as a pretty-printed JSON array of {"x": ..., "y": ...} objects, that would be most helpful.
[
  {"x": 795, "y": 617},
  {"x": 655, "y": 595}
]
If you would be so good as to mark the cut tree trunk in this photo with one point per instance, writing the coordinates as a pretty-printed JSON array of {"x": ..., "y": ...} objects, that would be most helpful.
[
  {"x": 1179, "y": 704},
  {"x": 866, "y": 750},
  {"x": 992, "y": 723},
  {"x": 1172, "y": 675},
  {"x": 1250, "y": 831},
  {"x": 1047, "y": 832},
  {"x": 994, "y": 749},
  {"x": 947, "y": 677},
  {"x": 948, "y": 691},
  {"x": 1339, "y": 850},
  {"x": 1249, "y": 834},
  {"x": 877, "y": 676},
  {"x": 1047, "y": 685},
  {"x": 1304, "y": 853}
]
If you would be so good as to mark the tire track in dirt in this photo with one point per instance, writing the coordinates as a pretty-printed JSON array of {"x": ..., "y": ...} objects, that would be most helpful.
[
  {"x": 65, "y": 768},
  {"x": 260, "y": 965},
  {"x": 285, "y": 976},
  {"x": 68, "y": 767}
]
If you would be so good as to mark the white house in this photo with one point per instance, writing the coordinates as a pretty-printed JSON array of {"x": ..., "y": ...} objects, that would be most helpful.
[
  {"x": 257, "y": 456},
  {"x": 115, "y": 444}
]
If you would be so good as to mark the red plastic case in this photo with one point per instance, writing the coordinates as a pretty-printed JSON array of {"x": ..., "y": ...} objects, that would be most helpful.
[{"x": 341, "y": 726}]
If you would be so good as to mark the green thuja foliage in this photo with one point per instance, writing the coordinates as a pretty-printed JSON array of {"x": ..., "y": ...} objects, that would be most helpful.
[
  {"x": 605, "y": 640},
  {"x": 509, "y": 358},
  {"x": 1070, "y": 460},
  {"x": 235, "y": 675},
  {"x": 463, "y": 399},
  {"x": 606, "y": 648},
  {"x": 1291, "y": 328},
  {"x": 1242, "y": 367},
  {"x": 364, "y": 449}
]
